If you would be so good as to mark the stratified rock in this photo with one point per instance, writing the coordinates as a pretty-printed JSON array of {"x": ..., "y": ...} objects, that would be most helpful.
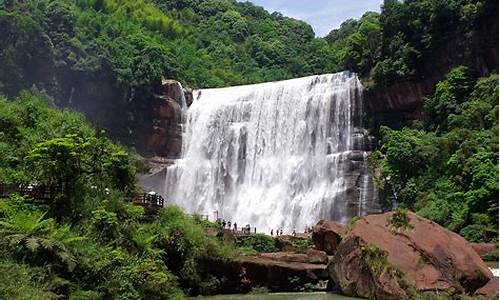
[
  {"x": 327, "y": 236},
  {"x": 283, "y": 271},
  {"x": 422, "y": 254},
  {"x": 490, "y": 290}
]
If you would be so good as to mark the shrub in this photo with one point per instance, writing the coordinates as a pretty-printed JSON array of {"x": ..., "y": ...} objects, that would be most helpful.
[
  {"x": 259, "y": 242},
  {"x": 400, "y": 219}
]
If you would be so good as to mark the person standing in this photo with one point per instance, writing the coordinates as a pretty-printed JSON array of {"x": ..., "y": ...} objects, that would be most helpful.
[{"x": 271, "y": 232}]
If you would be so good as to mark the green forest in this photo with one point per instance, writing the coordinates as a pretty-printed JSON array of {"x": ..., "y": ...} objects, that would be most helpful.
[{"x": 91, "y": 242}]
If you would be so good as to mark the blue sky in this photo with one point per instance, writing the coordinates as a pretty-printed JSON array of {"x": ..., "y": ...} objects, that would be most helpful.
[{"x": 323, "y": 15}]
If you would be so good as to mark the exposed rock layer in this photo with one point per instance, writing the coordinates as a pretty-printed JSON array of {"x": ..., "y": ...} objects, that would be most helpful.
[
  {"x": 430, "y": 258},
  {"x": 327, "y": 235}
]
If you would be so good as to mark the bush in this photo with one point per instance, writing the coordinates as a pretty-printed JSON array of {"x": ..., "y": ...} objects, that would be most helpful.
[
  {"x": 259, "y": 242},
  {"x": 400, "y": 219}
]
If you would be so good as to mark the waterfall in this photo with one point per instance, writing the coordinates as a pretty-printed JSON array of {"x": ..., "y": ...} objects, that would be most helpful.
[{"x": 275, "y": 155}]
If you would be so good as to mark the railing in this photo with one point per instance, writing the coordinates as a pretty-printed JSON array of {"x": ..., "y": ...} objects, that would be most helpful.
[
  {"x": 149, "y": 200},
  {"x": 37, "y": 192}
]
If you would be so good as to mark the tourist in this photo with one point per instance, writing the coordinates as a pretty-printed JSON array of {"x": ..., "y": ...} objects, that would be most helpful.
[
  {"x": 235, "y": 227},
  {"x": 229, "y": 224},
  {"x": 294, "y": 233},
  {"x": 223, "y": 224},
  {"x": 281, "y": 232},
  {"x": 271, "y": 232}
]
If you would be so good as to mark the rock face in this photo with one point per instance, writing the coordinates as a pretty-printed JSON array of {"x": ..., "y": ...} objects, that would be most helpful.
[
  {"x": 327, "y": 235},
  {"x": 404, "y": 98},
  {"x": 375, "y": 260},
  {"x": 284, "y": 271},
  {"x": 164, "y": 137},
  {"x": 484, "y": 249},
  {"x": 490, "y": 290}
]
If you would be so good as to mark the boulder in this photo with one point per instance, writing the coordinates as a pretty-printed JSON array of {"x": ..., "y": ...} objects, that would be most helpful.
[
  {"x": 376, "y": 260},
  {"x": 327, "y": 235},
  {"x": 287, "y": 243},
  {"x": 490, "y": 290},
  {"x": 173, "y": 89}
]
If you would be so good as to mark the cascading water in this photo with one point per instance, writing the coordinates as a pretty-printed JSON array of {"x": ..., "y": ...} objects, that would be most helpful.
[{"x": 275, "y": 155}]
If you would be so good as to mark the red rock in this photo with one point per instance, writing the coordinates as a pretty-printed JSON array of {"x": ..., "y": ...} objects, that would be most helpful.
[
  {"x": 430, "y": 257},
  {"x": 327, "y": 235},
  {"x": 172, "y": 89},
  {"x": 168, "y": 109},
  {"x": 490, "y": 290},
  {"x": 484, "y": 248}
]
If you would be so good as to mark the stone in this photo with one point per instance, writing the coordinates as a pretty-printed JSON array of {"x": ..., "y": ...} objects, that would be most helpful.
[
  {"x": 169, "y": 109},
  {"x": 172, "y": 89},
  {"x": 327, "y": 235},
  {"x": 490, "y": 290},
  {"x": 424, "y": 254},
  {"x": 484, "y": 249},
  {"x": 282, "y": 271},
  {"x": 286, "y": 243}
]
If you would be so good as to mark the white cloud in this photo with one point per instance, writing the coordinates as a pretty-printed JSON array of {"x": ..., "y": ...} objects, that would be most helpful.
[{"x": 323, "y": 15}]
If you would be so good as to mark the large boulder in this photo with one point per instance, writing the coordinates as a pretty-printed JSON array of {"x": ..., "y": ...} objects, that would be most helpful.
[
  {"x": 390, "y": 258},
  {"x": 327, "y": 235}
]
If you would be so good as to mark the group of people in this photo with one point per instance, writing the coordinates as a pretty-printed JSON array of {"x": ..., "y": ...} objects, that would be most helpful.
[
  {"x": 227, "y": 225},
  {"x": 247, "y": 229}
]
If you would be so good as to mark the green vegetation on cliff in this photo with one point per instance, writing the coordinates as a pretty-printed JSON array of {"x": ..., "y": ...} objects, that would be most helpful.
[{"x": 446, "y": 167}]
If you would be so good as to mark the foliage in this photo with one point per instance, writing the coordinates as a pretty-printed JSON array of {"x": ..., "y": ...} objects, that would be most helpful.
[
  {"x": 259, "y": 242},
  {"x": 302, "y": 245},
  {"x": 374, "y": 259},
  {"x": 448, "y": 170},
  {"x": 89, "y": 242},
  {"x": 492, "y": 256},
  {"x": 400, "y": 220}
]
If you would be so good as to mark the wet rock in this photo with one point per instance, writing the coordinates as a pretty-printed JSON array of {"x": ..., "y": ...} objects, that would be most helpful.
[
  {"x": 327, "y": 235},
  {"x": 173, "y": 89},
  {"x": 376, "y": 260}
]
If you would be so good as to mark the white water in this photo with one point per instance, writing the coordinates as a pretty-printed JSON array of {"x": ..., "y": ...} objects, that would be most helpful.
[{"x": 270, "y": 155}]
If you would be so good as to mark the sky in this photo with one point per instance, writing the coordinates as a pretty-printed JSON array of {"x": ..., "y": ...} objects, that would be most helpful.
[{"x": 322, "y": 15}]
